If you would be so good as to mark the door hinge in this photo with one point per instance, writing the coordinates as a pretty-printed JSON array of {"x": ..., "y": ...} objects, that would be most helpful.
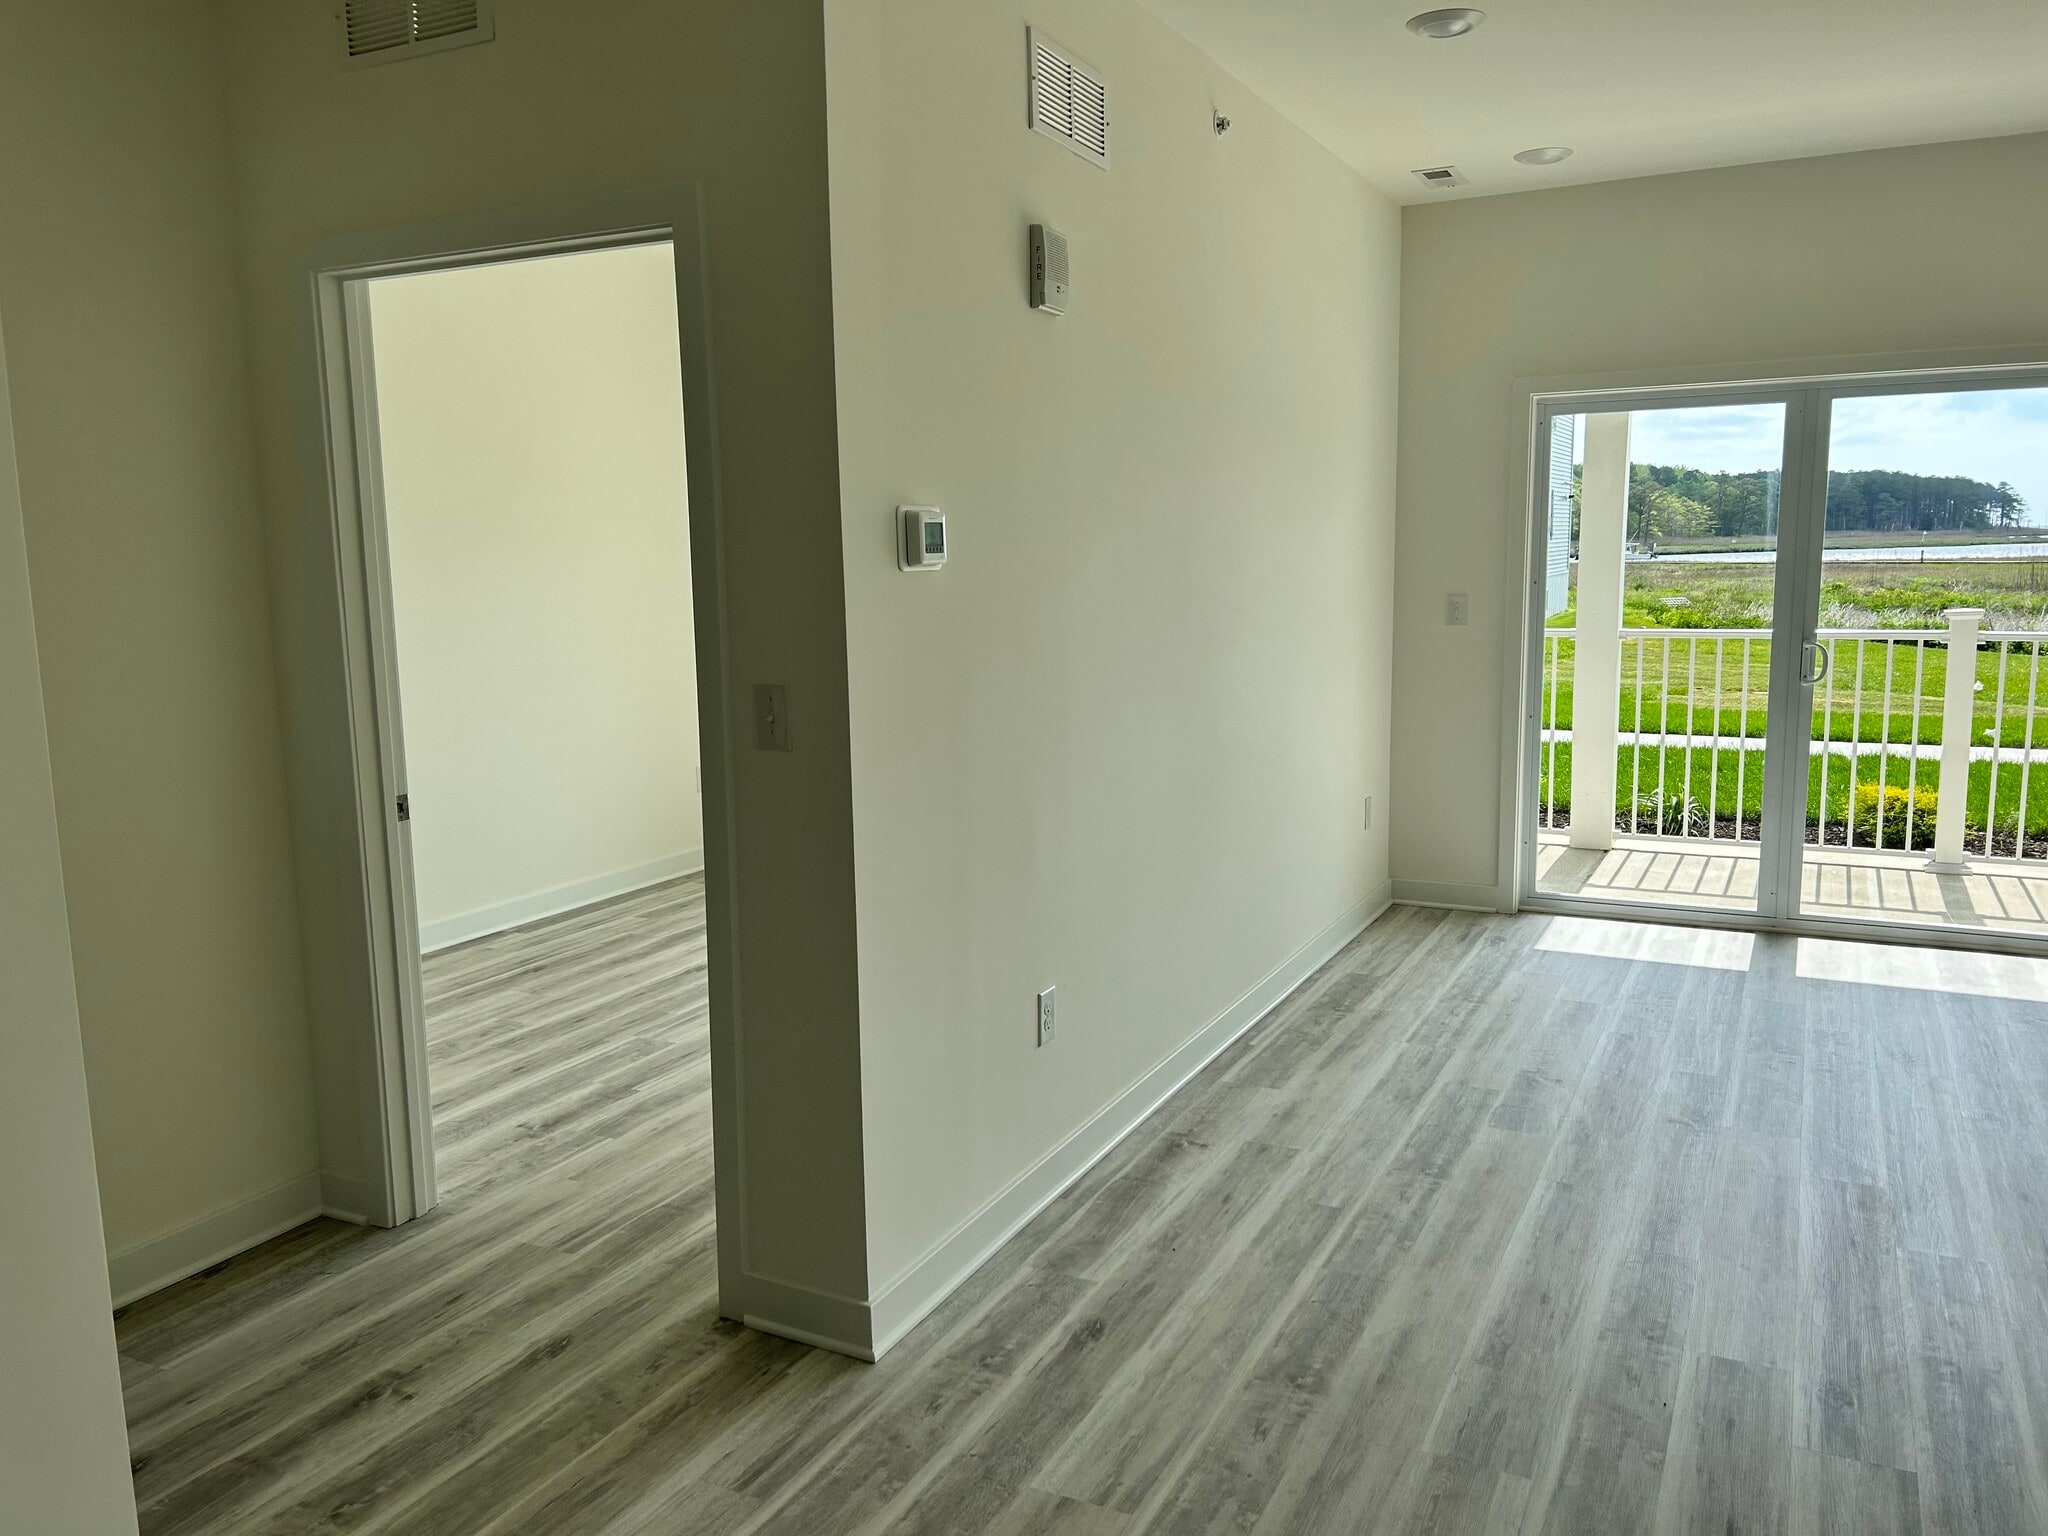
[{"x": 405, "y": 807}]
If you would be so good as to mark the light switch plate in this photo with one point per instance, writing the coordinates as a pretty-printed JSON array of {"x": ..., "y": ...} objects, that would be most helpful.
[{"x": 771, "y": 717}]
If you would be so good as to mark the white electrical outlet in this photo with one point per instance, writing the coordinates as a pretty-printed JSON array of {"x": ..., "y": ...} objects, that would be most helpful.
[
  {"x": 1457, "y": 608},
  {"x": 1368, "y": 813},
  {"x": 1045, "y": 1016}
]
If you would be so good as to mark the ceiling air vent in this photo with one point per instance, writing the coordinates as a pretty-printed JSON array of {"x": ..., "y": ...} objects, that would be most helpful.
[
  {"x": 1440, "y": 176},
  {"x": 1069, "y": 102},
  {"x": 384, "y": 31}
]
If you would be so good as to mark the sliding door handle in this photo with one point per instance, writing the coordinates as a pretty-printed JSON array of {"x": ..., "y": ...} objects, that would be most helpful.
[{"x": 1814, "y": 661}]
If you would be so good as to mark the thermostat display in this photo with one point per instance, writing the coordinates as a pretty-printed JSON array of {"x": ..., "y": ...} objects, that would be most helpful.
[{"x": 921, "y": 538}]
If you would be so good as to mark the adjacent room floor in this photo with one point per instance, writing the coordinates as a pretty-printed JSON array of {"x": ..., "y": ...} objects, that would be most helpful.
[{"x": 1498, "y": 1224}]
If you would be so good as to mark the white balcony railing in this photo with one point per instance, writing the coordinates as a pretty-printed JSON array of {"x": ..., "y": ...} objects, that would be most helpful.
[{"x": 1923, "y": 741}]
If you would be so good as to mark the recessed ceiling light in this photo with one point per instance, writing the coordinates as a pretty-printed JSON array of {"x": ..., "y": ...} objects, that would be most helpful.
[
  {"x": 1549, "y": 154},
  {"x": 1455, "y": 22}
]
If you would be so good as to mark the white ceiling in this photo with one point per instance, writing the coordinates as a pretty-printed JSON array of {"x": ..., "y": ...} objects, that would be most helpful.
[{"x": 1635, "y": 87}]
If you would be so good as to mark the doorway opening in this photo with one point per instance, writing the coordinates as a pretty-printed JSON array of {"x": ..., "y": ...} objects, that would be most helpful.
[
  {"x": 529, "y": 477},
  {"x": 546, "y": 553},
  {"x": 1784, "y": 656}
]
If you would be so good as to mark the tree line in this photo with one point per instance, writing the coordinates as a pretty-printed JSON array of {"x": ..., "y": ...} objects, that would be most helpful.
[
  {"x": 1670, "y": 501},
  {"x": 1892, "y": 500}
]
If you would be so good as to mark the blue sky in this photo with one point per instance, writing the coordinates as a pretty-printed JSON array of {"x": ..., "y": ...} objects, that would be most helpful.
[{"x": 1986, "y": 434}]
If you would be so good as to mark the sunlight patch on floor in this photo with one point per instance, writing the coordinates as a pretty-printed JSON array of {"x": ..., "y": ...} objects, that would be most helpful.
[
  {"x": 1972, "y": 972},
  {"x": 1721, "y": 949}
]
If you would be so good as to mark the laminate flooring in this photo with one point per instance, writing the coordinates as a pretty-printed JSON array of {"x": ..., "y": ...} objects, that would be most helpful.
[{"x": 1495, "y": 1225}]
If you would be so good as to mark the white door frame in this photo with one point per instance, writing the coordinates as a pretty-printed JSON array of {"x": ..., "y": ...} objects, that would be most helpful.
[
  {"x": 389, "y": 1056},
  {"x": 1778, "y": 866},
  {"x": 1808, "y": 390}
]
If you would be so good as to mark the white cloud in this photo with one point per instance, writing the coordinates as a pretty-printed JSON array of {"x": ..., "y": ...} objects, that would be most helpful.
[
  {"x": 1989, "y": 435},
  {"x": 1715, "y": 437}
]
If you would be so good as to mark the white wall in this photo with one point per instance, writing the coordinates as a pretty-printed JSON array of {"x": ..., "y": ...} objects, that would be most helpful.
[
  {"x": 117, "y": 281},
  {"x": 572, "y": 102},
  {"x": 63, "y": 1440},
  {"x": 1121, "y": 743},
  {"x": 1891, "y": 252},
  {"x": 531, "y": 420}
]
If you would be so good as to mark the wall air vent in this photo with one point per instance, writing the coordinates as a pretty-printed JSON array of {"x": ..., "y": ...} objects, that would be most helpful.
[
  {"x": 1069, "y": 101},
  {"x": 385, "y": 31},
  {"x": 1440, "y": 177}
]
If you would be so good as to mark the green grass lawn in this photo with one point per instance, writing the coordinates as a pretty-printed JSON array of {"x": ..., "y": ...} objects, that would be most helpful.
[
  {"x": 1737, "y": 778},
  {"x": 1876, "y": 690},
  {"x": 1875, "y": 595},
  {"x": 1723, "y": 687}
]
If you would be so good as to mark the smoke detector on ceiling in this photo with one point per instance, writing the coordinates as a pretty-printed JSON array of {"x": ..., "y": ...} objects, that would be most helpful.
[
  {"x": 1440, "y": 177},
  {"x": 1439, "y": 25}
]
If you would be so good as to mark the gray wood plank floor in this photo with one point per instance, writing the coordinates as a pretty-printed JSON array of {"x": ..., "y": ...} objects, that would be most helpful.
[{"x": 1496, "y": 1225}]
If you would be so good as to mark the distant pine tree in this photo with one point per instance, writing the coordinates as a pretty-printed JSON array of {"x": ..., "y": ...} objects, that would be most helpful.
[
  {"x": 1891, "y": 500},
  {"x": 1738, "y": 504}
]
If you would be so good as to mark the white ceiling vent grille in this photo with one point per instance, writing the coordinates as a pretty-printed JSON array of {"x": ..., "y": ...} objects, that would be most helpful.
[
  {"x": 384, "y": 31},
  {"x": 1069, "y": 100},
  {"x": 1440, "y": 177}
]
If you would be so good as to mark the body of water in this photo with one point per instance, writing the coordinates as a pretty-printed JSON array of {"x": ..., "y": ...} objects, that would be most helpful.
[{"x": 1864, "y": 552}]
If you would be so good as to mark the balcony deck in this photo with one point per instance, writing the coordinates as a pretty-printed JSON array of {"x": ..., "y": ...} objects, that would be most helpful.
[{"x": 1987, "y": 895}]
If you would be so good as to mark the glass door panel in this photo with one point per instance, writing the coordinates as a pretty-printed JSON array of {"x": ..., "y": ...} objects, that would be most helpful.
[
  {"x": 1928, "y": 792},
  {"x": 1657, "y": 647}
]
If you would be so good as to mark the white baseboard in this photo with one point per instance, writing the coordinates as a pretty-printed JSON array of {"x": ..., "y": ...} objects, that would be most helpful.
[
  {"x": 1436, "y": 893},
  {"x": 149, "y": 1267},
  {"x": 905, "y": 1301},
  {"x": 825, "y": 1319},
  {"x": 445, "y": 932},
  {"x": 346, "y": 1198}
]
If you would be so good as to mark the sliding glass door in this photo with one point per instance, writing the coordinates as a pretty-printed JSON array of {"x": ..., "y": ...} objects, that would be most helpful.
[
  {"x": 1785, "y": 655},
  {"x": 1662, "y": 552},
  {"x": 1928, "y": 804}
]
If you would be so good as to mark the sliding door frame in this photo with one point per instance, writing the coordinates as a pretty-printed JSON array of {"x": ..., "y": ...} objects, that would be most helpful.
[
  {"x": 1778, "y": 867},
  {"x": 1807, "y": 390}
]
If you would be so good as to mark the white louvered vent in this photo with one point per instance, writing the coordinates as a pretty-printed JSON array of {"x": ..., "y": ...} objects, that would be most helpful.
[
  {"x": 383, "y": 31},
  {"x": 1069, "y": 100}
]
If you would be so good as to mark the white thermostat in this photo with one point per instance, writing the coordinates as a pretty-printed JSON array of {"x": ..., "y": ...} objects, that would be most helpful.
[{"x": 920, "y": 539}]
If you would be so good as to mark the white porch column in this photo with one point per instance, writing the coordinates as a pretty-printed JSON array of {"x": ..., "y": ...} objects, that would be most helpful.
[
  {"x": 1958, "y": 720},
  {"x": 1596, "y": 672}
]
